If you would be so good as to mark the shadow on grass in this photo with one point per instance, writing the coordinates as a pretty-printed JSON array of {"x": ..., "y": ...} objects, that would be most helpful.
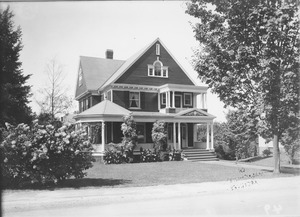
[{"x": 73, "y": 183}]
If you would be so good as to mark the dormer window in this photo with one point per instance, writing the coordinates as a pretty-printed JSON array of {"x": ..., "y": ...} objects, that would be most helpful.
[
  {"x": 158, "y": 70},
  {"x": 80, "y": 77}
]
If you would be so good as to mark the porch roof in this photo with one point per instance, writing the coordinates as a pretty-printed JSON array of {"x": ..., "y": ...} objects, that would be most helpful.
[{"x": 102, "y": 109}]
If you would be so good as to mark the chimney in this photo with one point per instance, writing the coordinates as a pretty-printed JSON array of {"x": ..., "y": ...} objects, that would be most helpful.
[{"x": 109, "y": 54}]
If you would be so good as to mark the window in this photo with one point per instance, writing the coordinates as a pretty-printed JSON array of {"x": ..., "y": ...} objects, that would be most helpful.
[
  {"x": 87, "y": 101},
  {"x": 158, "y": 70},
  {"x": 134, "y": 99},
  {"x": 157, "y": 49},
  {"x": 81, "y": 106},
  {"x": 109, "y": 95},
  {"x": 140, "y": 130},
  {"x": 80, "y": 77},
  {"x": 178, "y": 101},
  {"x": 188, "y": 99},
  {"x": 163, "y": 98}
]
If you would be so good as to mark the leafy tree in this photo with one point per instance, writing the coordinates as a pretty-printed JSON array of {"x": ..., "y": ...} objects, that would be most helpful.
[
  {"x": 54, "y": 98},
  {"x": 291, "y": 142},
  {"x": 250, "y": 57},
  {"x": 13, "y": 89}
]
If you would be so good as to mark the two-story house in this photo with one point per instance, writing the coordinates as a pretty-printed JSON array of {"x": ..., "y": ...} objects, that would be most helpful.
[{"x": 151, "y": 85}]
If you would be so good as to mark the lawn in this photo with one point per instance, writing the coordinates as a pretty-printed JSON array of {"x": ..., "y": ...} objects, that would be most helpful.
[{"x": 161, "y": 173}]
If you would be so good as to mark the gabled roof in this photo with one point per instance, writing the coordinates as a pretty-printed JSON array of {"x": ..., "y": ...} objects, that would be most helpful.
[
  {"x": 103, "y": 108},
  {"x": 194, "y": 112},
  {"x": 97, "y": 70},
  {"x": 129, "y": 62}
]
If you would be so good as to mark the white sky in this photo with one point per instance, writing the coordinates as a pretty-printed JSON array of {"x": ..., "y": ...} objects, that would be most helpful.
[{"x": 67, "y": 30}]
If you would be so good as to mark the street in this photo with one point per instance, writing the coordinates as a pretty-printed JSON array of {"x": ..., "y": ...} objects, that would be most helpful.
[{"x": 256, "y": 197}]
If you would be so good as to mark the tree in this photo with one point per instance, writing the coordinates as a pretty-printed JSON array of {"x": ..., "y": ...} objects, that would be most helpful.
[
  {"x": 14, "y": 91},
  {"x": 250, "y": 58},
  {"x": 54, "y": 99},
  {"x": 129, "y": 141}
]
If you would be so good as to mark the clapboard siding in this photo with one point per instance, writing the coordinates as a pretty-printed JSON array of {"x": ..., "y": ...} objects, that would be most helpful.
[{"x": 138, "y": 72}]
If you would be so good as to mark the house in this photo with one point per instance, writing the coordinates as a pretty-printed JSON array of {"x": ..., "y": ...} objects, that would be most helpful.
[{"x": 151, "y": 85}]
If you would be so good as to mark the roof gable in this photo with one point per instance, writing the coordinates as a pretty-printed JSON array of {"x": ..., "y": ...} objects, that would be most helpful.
[
  {"x": 134, "y": 70},
  {"x": 194, "y": 112}
]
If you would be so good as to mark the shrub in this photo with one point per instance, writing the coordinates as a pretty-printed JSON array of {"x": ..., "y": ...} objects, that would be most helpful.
[
  {"x": 159, "y": 135},
  {"x": 148, "y": 156},
  {"x": 267, "y": 152},
  {"x": 116, "y": 154},
  {"x": 130, "y": 137},
  {"x": 176, "y": 155},
  {"x": 44, "y": 154}
]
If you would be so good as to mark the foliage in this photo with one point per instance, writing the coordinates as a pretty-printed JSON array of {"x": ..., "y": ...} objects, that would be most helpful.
[
  {"x": 176, "y": 155},
  {"x": 53, "y": 98},
  {"x": 159, "y": 135},
  {"x": 130, "y": 136},
  {"x": 43, "y": 154},
  {"x": 267, "y": 152},
  {"x": 291, "y": 142},
  {"x": 250, "y": 57},
  {"x": 46, "y": 118},
  {"x": 148, "y": 156},
  {"x": 116, "y": 154},
  {"x": 13, "y": 88}
]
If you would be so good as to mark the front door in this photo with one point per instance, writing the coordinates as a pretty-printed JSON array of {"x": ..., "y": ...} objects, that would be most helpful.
[{"x": 184, "y": 142}]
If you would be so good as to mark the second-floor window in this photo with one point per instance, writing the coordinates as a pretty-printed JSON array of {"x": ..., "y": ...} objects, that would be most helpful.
[
  {"x": 188, "y": 99},
  {"x": 163, "y": 98},
  {"x": 134, "y": 99}
]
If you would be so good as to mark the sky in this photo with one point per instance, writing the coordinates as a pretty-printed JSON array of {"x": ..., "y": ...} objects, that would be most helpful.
[{"x": 67, "y": 30}]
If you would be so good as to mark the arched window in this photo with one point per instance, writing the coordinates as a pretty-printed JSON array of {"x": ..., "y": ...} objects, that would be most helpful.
[{"x": 157, "y": 69}]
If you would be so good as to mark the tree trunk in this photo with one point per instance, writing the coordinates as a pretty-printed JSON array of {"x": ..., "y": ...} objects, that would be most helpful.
[{"x": 276, "y": 155}]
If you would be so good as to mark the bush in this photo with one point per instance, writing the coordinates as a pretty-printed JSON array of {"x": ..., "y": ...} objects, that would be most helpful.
[
  {"x": 148, "y": 156},
  {"x": 176, "y": 155},
  {"x": 267, "y": 152},
  {"x": 117, "y": 153},
  {"x": 43, "y": 154}
]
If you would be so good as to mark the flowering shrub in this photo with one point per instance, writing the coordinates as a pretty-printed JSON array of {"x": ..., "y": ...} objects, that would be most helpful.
[
  {"x": 148, "y": 156},
  {"x": 43, "y": 154},
  {"x": 116, "y": 154},
  {"x": 176, "y": 155}
]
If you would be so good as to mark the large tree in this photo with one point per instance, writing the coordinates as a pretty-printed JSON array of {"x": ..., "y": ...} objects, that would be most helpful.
[
  {"x": 249, "y": 56},
  {"x": 53, "y": 98},
  {"x": 14, "y": 91}
]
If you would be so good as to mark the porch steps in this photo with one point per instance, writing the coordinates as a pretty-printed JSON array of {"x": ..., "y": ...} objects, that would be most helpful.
[{"x": 200, "y": 155}]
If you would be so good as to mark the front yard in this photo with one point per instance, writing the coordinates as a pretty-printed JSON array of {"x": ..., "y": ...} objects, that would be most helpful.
[{"x": 161, "y": 173}]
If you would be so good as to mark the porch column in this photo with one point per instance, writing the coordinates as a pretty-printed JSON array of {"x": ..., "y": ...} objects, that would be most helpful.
[
  {"x": 174, "y": 135},
  {"x": 202, "y": 100},
  {"x": 159, "y": 101},
  {"x": 173, "y": 101},
  {"x": 103, "y": 135},
  {"x": 207, "y": 136},
  {"x": 205, "y": 104},
  {"x": 179, "y": 137},
  {"x": 195, "y": 133},
  {"x": 167, "y": 100},
  {"x": 212, "y": 135}
]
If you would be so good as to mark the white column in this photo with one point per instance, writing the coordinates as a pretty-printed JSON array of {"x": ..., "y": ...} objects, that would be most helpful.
[
  {"x": 195, "y": 133},
  {"x": 205, "y": 104},
  {"x": 179, "y": 137},
  {"x": 212, "y": 135},
  {"x": 202, "y": 100},
  {"x": 195, "y": 100},
  {"x": 159, "y": 101},
  {"x": 167, "y": 100},
  {"x": 103, "y": 135},
  {"x": 173, "y": 100},
  {"x": 112, "y": 131},
  {"x": 207, "y": 136},
  {"x": 174, "y": 135}
]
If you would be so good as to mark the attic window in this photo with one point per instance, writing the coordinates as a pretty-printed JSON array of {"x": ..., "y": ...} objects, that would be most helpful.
[
  {"x": 80, "y": 77},
  {"x": 158, "y": 70}
]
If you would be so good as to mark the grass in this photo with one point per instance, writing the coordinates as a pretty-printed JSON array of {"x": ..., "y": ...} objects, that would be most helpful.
[{"x": 161, "y": 173}]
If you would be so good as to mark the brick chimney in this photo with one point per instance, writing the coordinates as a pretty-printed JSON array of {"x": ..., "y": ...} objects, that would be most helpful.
[{"x": 109, "y": 54}]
